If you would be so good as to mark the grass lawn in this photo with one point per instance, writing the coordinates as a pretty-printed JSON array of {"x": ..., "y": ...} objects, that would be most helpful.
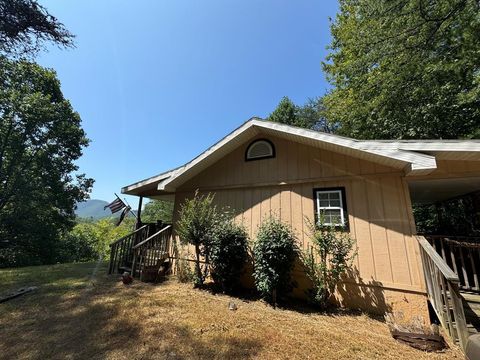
[{"x": 77, "y": 315}]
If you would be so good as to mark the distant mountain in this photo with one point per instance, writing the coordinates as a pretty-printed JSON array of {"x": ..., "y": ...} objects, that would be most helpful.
[{"x": 92, "y": 209}]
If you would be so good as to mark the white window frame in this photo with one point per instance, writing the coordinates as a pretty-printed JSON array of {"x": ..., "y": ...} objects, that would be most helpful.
[{"x": 341, "y": 207}]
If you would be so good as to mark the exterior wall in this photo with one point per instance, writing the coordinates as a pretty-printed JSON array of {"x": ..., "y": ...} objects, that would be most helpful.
[{"x": 387, "y": 271}]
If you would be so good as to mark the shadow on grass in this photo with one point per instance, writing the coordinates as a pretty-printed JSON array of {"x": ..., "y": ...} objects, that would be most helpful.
[
  {"x": 241, "y": 293},
  {"x": 372, "y": 297},
  {"x": 79, "y": 319}
]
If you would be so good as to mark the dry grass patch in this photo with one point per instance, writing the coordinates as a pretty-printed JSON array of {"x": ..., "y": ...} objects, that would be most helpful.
[{"x": 83, "y": 318}]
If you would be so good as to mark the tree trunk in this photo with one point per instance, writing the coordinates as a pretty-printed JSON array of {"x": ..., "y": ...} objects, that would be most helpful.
[{"x": 198, "y": 270}]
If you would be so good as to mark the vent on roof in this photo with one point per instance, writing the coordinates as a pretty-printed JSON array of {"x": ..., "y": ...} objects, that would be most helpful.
[{"x": 260, "y": 149}]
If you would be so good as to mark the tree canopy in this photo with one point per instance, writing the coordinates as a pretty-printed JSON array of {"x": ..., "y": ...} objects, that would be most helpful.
[
  {"x": 285, "y": 113},
  {"x": 25, "y": 26},
  {"x": 309, "y": 116},
  {"x": 40, "y": 140},
  {"x": 156, "y": 210},
  {"x": 405, "y": 69}
]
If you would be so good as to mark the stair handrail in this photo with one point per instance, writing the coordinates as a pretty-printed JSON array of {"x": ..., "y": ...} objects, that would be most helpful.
[
  {"x": 142, "y": 258},
  {"x": 130, "y": 234},
  {"x": 151, "y": 237},
  {"x": 443, "y": 292},
  {"x": 447, "y": 272},
  {"x": 121, "y": 249}
]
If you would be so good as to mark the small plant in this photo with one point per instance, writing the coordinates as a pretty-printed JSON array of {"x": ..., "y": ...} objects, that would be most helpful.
[
  {"x": 274, "y": 253},
  {"x": 198, "y": 217},
  {"x": 228, "y": 253},
  {"x": 330, "y": 255},
  {"x": 184, "y": 271}
]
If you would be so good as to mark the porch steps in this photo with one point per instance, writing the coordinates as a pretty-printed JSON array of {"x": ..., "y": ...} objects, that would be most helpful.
[
  {"x": 143, "y": 253},
  {"x": 471, "y": 306}
]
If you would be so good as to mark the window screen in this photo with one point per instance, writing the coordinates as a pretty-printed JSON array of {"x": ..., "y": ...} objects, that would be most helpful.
[{"x": 330, "y": 206}]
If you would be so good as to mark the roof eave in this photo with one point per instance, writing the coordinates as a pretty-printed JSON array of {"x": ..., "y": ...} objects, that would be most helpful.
[{"x": 413, "y": 163}]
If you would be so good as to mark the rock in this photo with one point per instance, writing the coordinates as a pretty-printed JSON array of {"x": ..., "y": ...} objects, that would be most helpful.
[{"x": 232, "y": 306}]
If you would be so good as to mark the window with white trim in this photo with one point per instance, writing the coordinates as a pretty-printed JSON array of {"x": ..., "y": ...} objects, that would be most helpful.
[{"x": 330, "y": 206}]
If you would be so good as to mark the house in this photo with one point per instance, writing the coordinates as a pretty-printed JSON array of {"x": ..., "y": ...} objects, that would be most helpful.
[{"x": 264, "y": 168}]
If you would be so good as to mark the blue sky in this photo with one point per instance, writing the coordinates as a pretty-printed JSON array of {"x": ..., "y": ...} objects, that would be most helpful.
[{"x": 158, "y": 82}]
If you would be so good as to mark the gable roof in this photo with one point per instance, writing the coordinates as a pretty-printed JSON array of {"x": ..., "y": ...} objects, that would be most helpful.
[{"x": 416, "y": 157}]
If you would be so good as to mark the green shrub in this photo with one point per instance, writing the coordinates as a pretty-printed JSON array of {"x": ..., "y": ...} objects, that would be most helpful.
[
  {"x": 329, "y": 257},
  {"x": 228, "y": 253},
  {"x": 197, "y": 219},
  {"x": 78, "y": 246},
  {"x": 274, "y": 253},
  {"x": 17, "y": 256}
]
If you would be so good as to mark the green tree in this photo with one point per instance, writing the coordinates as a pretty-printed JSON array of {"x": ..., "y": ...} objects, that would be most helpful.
[
  {"x": 405, "y": 69},
  {"x": 158, "y": 210},
  {"x": 195, "y": 225},
  {"x": 40, "y": 140},
  {"x": 90, "y": 240},
  {"x": 329, "y": 257},
  {"x": 308, "y": 116},
  {"x": 285, "y": 113},
  {"x": 25, "y": 26},
  {"x": 311, "y": 116}
]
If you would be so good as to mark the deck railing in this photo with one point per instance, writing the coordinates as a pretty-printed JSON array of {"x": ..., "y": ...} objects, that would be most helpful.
[
  {"x": 462, "y": 254},
  {"x": 121, "y": 250},
  {"x": 443, "y": 292},
  {"x": 151, "y": 252}
]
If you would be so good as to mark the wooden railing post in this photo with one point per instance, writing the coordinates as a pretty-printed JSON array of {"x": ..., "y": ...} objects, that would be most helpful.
[
  {"x": 443, "y": 292},
  {"x": 110, "y": 266},
  {"x": 460, "y": 322},
  {"x": 462, "y": 253}
]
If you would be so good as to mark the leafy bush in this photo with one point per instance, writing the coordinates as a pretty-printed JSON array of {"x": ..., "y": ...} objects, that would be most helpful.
[
  {"x": 17, "y": 256},
  {"x": 77, "y": 246},
  {"x": 274, "y": 253},
  {"x": 98, "y": 235},
  {"x": 197, "y": 219},
  {"x": 87, "y": 241},
  {"x": 331, "y": 254},
  {"x": 228, "y": 253}
]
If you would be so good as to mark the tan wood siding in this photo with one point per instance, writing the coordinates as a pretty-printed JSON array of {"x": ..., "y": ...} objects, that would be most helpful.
[
  {"x": 293, "y": 162},
  {"x": 377, "y": 200}
]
